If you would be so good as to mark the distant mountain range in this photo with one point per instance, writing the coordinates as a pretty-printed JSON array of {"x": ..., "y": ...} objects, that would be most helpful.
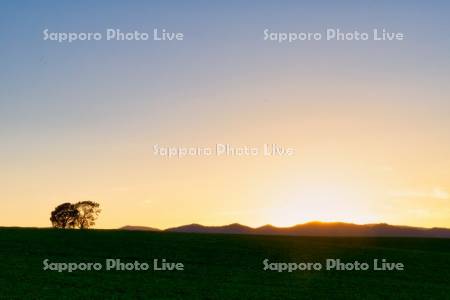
[
  {"x": 139, "y": 228},
  {"x": 311, "y": 229}
]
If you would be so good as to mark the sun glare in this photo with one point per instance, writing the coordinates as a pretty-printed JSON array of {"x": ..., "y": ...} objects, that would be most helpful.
[{"x": 322, "y": 202}]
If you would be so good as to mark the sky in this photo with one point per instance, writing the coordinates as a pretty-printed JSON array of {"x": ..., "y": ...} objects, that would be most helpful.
[{"x": 368, "y": 120}]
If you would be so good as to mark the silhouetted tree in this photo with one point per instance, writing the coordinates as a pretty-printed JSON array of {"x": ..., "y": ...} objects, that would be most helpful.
[
  {"x": 64, "y": 216},
  {"x": 79, "y": 215},
  {"x": 87, "y": 213}
]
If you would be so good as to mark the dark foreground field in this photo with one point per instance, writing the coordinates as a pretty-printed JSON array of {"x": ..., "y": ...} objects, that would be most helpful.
[{"x": 217, "y": 266}]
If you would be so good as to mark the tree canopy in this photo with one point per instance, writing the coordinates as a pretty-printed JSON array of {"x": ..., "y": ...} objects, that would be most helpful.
[{"x": 79, "y": 215}]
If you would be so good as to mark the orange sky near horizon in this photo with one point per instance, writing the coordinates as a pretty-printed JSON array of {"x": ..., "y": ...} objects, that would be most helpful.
[{"x": 361, "y": 165}]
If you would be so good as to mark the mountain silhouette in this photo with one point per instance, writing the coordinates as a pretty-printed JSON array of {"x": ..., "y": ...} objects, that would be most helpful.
[
  {"x": 349, "y": 229},
  {"x": 338, "y": 229},
  {"x": 234, "y": 228},
  {"x": 138, "y": 228}
]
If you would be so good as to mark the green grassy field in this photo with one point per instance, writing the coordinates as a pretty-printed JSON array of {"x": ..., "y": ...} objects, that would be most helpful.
[{"x": 217, "y": 266}]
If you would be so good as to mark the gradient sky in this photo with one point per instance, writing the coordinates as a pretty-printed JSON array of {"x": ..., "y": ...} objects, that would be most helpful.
[{"x": 370, "y": 121}]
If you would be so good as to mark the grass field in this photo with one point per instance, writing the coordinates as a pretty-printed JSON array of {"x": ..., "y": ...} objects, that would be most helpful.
[{"x": 217, "y": 266}]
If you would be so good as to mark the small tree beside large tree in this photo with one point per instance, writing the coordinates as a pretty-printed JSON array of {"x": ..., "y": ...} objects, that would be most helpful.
[{"x": 79, "y": 215}]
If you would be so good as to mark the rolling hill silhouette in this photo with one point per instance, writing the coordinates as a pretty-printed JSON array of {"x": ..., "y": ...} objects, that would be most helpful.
[
  {"x": 234, "y": 228},
  {"x": 139, "y": 228},
  {"x": 338, "y": 229}
]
